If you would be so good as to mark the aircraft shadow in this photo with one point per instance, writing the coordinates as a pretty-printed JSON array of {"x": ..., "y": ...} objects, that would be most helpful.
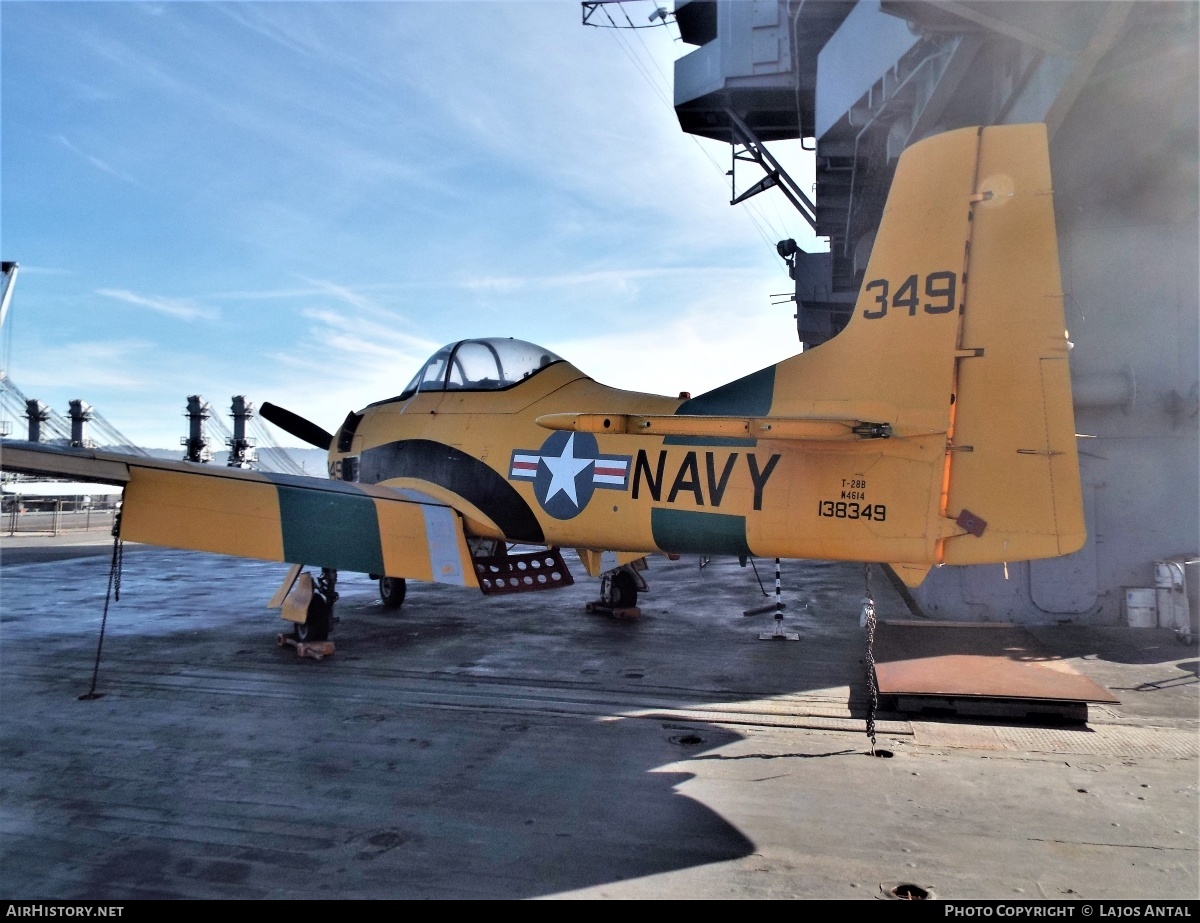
[{"x": 446, "y": 751}]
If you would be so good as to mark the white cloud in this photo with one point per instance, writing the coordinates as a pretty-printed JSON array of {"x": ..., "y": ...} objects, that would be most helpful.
[
  {"x": 97, "y": 162},
  {"x": 72, "y": 366},
  {"x": 345, "y": 294},
  {"x": 173, "y": 307},
  {"x": 350, "y": 356},
  {"x": 617, "y": 281},
  {"x": 694, "y": 353}
]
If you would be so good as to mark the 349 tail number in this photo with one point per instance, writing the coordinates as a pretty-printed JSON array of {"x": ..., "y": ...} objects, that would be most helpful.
[{"x": 940, "y": 287}]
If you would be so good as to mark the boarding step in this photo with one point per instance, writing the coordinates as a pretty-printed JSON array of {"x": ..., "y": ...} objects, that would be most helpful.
[{"x": 522, "y": 573}]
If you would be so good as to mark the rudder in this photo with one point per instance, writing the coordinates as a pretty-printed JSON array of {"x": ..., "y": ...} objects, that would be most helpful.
[{"x": 1013, "y": 465}]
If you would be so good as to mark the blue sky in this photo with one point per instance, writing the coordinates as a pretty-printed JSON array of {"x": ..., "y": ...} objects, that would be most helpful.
[{"x": 300, "y": 202}]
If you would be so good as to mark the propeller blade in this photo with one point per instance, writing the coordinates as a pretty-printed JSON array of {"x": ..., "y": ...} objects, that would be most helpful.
[{"x": 296, "y": 425}]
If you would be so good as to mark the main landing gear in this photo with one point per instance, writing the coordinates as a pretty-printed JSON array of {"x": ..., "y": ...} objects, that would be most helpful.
[
  {"x": 319, "y": 621},
  {"x": 619, "y": 592},
  {"x": 392, "y": 591},
  {"x": 308, "y": 605}
]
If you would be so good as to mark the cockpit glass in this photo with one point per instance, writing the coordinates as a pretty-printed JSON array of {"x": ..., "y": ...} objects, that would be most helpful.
[
  {"x": 433, "y": 374},
  {"x": 476, "y": 364},
  {"x": 490, "y": 364}
]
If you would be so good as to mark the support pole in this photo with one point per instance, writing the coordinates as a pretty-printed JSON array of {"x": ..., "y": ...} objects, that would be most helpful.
[{"x": 778, "y": 634}]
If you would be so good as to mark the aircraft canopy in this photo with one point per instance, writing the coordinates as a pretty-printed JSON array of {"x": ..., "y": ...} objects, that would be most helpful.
[{"x": 489, "y": 364}]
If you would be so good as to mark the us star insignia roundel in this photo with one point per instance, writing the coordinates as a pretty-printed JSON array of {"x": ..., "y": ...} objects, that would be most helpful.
[{"x": 566, "y": 471}]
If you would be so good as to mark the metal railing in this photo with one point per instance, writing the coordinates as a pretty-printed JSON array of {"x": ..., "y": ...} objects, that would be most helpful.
[{"x": 56, "y": 521}]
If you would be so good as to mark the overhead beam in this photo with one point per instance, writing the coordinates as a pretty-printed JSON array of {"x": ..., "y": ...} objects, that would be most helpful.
[{"x": 1106, "y": 34}]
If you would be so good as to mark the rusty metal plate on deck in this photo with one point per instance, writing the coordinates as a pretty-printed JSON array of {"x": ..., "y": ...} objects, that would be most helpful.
[{"x": 975, "y": 660}]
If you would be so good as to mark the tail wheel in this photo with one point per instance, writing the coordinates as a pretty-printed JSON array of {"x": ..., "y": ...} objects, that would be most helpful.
[
  {"x": 622, "y": 590},
  {"x": 392, "y": 591}
]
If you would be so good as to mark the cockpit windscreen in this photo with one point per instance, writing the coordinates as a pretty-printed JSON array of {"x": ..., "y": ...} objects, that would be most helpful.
[{"x": 490, "y": 364}]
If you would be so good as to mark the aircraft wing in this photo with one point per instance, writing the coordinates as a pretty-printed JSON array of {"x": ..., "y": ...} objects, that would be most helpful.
[{"x": 273, "y": 517}]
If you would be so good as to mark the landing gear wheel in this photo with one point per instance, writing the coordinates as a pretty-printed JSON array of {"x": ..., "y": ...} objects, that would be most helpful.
[
  {"x": 622, "y": 590},
  {"x": 392, "y": 591},
  {"x": 317, "y": 624}
]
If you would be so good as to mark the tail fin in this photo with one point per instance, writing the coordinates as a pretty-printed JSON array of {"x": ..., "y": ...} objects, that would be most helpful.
[{"x": 959, "y": 330}]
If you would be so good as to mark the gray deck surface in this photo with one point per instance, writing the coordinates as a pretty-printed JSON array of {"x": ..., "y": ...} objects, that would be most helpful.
[{"x": 519, "y": 747}]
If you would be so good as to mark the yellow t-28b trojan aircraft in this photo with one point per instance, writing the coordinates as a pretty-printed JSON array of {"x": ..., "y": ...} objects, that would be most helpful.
[{"x": 936, "y": 428}]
